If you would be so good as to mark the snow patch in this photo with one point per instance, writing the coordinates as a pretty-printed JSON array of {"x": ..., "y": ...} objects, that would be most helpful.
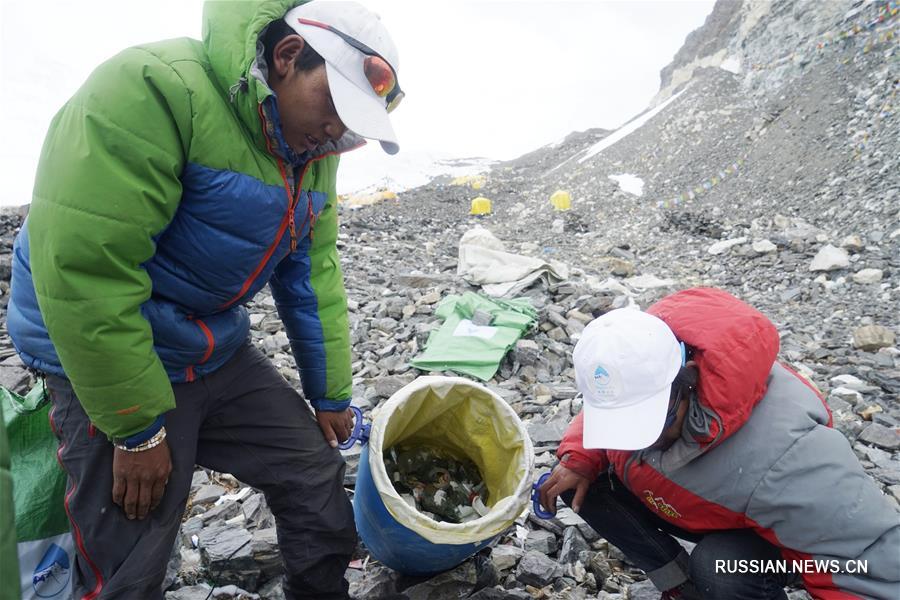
[
  {"x": 629, "y": 127},
  {"x": 731, "y": 64},
  {"x": 629, "y": 183}
]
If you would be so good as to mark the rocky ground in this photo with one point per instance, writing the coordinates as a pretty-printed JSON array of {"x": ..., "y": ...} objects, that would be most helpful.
[{"x": 793, "y": 167}]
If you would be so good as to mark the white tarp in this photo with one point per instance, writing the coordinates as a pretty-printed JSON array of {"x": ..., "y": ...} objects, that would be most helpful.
[{"x": 483, "y": 261}]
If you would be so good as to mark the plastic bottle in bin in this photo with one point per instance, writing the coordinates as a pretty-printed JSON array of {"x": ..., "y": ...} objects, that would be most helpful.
[{"x": 440, "y": 485}]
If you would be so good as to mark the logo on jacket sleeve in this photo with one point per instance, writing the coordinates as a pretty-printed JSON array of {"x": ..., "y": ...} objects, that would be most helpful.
[{"x": 659, "y": 504}]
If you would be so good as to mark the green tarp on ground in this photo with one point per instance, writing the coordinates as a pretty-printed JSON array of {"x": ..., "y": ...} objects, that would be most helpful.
[{"x": 463, "y": 346}]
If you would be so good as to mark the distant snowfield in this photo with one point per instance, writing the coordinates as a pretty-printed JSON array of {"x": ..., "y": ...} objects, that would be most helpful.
[
  {"x": 629, "y": 183},
  {"x": 403, "y": 171}
]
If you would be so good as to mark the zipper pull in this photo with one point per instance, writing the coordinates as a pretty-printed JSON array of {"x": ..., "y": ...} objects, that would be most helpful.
[
  {"x": 293, "y": 230},
  {"x": 311, "y": 215}
]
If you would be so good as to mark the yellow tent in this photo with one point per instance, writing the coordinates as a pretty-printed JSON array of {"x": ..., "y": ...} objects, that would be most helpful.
[
  {"x": 367, "y": 199},
  {"x": 480, "y": 206},
  {"x": 476, "y": 182},
  {"x": 561, "y": 200}
]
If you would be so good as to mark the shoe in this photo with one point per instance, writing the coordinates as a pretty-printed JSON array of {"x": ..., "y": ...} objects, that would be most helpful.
[{"x": 685, "y": 591}]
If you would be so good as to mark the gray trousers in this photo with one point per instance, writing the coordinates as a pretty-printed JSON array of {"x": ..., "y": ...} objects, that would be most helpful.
[{"x": 244, "y": 419}]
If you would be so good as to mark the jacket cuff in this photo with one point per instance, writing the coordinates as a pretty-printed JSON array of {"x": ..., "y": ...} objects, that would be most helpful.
[
  {"x": 140, "y": 437},
  {"x": 581, "y": 465},
  {"x": 326, "y": 405}
]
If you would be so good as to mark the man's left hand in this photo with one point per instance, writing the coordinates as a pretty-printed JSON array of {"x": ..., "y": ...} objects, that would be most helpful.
[{"x": 335, "y": 426}]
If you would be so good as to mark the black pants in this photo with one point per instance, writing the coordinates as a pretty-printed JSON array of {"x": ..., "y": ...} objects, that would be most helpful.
[
  {"x": 244, "y": 419},
  {"x": 646, "y": 539}
]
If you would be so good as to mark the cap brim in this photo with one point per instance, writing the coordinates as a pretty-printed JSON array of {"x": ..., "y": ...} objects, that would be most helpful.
[
  {"x": 362, "y": 113},
  {"x": 633, "y": 427}
]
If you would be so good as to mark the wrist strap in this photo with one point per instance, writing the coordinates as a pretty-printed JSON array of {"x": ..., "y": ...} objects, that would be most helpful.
[
  {"x": 142, "y": 436},
  {"x": 153, "y": 442}
]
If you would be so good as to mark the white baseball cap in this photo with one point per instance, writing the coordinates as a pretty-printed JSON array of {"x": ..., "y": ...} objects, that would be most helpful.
[
  {"x": 333, "y": 29},
  {"x": 625, "y": 363}
]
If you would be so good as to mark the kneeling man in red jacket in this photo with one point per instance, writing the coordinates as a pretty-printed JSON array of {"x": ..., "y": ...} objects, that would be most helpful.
[{"x": 692, "y": 428}]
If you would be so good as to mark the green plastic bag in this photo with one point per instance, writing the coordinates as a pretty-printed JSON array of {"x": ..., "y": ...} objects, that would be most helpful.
[
  {"x": 464, "y": 346},
  {"x": 9, "y": 563},
  {"x": 44, "y": 545}
]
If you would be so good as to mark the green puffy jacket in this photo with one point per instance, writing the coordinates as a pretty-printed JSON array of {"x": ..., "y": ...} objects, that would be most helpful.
[{"x": 165, "y": 199}]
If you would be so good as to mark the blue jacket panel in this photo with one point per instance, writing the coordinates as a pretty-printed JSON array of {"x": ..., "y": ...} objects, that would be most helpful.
[{"x": 208, "y": 263}]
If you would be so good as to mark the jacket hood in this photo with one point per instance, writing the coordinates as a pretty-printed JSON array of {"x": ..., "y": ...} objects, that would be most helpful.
[
  {"x": 231, "y": 30},
  {"x": 735, "y": 347}
]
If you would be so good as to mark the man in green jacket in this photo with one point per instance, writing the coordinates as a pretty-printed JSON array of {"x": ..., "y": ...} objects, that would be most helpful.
[{"x": 178, "y": 181}]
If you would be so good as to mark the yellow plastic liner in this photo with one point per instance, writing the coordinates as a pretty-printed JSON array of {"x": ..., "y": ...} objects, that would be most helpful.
[{"x": 466, "y": 419}]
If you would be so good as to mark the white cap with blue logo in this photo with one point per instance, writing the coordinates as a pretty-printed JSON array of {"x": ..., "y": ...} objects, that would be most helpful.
[{"x": 625, "y": 363}]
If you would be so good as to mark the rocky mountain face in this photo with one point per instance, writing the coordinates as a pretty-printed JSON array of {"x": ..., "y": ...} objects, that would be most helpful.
[{"x": 770, "y": 162}]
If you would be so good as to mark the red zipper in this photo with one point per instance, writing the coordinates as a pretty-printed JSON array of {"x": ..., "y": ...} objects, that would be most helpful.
[
  {"x": 210, "y": 340},
  {"x": 288, "y": 221},
  {"x": 210, "y": 346},
  {"x": 284, "y": 225},
  {"x": 310, "y": 215},
  {"x": 292, "y": 201}
]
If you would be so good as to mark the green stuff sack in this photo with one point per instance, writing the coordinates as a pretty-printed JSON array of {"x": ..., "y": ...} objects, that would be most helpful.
[
  {"x": 464, "y": 346},
  {"x": 45, "y": 548}
]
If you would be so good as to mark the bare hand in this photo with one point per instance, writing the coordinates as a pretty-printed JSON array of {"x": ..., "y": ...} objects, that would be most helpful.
[
  {"x": 561, "y": 480},
  {"x": 140, "y": 478},
  {"x": 335, "y": 426}
]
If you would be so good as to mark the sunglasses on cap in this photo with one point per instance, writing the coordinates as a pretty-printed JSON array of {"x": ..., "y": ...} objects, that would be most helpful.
[{"x": 377, "y": 70}]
